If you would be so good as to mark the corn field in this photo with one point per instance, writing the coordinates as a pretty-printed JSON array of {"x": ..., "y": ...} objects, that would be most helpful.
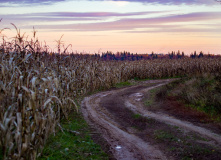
[{"x": 38, "y": 88}]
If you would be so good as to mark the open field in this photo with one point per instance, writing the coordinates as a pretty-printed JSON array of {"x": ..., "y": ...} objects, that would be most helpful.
[{"x": 38, "y": 88}]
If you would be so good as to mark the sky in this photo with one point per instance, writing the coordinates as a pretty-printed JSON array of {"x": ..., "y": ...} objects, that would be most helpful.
[{"x": 138, "y": 26}]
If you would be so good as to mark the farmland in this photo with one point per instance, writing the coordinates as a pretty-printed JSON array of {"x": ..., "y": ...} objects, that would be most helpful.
[{"x": 39, "y": 88}]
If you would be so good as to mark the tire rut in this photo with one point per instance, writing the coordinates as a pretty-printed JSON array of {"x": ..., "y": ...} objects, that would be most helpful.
[{"x": 105, "y": 112}]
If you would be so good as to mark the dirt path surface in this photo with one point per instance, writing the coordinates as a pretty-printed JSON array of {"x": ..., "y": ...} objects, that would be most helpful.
[{"x": 133, "y": 132}]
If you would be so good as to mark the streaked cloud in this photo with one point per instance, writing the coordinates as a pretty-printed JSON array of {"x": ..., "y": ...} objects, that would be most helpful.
[
  {"x": 70, "y": 16},
  {"x": 95, "y": 14},
  {"x": 174, "y": 2},
  {"x": 165, "y": 23},
  {"x": 163, "y": 2},
  {"x": 31, "y": 1}
]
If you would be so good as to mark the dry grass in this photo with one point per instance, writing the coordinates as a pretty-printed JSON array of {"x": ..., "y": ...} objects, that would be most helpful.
[{"x": 38, "y": 88}]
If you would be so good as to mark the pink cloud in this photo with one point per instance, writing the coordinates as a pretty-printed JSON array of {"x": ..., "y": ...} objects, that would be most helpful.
[
  {"x": 163, "y": 2},
  {"x": 135, "y": 23}
]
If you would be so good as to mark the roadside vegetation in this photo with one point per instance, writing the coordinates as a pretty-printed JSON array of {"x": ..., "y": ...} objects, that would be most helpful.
[
  {"x": 39, "y": 89},
  {"x": 201, "y": 92},
  {"x": 73, "y": 142}
]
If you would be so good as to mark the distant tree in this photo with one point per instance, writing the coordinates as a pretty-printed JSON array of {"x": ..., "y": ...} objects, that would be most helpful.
[
  {"x": 195, "y": 54},
  {"x": 183, "y": 55},
  {"x": 178, "y": 54},
  {"x": 114, "y": 58},
  {"x": 171, "y": 56},
  {"x": 152, "y": 54},
  {"x": 200, "y": 55}
]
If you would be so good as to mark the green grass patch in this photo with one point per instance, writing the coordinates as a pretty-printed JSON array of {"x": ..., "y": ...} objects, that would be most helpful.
[
  {"x": 69, "y": 145},
  {"x": 197, "y": 137},
  {"x": 164, "y": 135},
  {"x": 137, "y": 116},
  {"x": 149, "y": 103},
  {"x": 123, "y": 84},
  {"x": 172, "y": 148},
  {"x": 151, "y": 97},
  {"x": 196, "y": 150},
  {"x": 154, "y": 78}
]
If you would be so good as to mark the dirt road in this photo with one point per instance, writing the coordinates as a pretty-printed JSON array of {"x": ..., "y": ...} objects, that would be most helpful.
[{"x": 134, "y": 132}]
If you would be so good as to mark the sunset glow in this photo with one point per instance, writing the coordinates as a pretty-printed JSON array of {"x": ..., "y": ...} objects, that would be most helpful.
[{"x": 132, "y": 25}]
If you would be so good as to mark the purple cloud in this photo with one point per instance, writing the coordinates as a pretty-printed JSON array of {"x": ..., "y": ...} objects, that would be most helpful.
[
  {"x": 161, "y": 23},
  {"x": 8, "y": 3},
  {"x": 31, "y": 1},
  {"x": 96, "y": 14},
  {"x": 163, "y": 2},
  {"x": 69, "y": 16},
  {"x": 178, "y": 29},
  {"x": 198, "y": 16},
  {"x": 174, "y": 2}
]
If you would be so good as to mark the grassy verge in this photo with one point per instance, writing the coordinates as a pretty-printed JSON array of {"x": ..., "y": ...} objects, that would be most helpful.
[
  {"x": 153, "y": 78},
  {"x": 74, "y": 143},
  {"x": 201, "y": 92},
  {"x": 136, "y": 80},
  {"x": 151, "y": 97},
  {"x": 125, "y": 84}
]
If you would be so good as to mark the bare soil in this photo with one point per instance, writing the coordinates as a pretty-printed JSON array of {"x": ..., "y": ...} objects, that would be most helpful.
[{"x": 132, "y": 130}]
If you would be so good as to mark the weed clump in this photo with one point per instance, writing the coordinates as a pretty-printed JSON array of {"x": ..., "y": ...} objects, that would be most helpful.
[
  {"x": 204, "y": 92},
  {"x": 201, "y": 91}
]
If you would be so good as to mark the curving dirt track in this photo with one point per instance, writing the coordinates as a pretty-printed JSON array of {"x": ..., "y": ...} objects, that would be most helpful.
[{"x": 111, "y": 114}]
